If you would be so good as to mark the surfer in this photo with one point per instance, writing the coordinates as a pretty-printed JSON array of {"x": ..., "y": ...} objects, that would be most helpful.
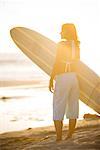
[{"x": 66, "y": 87}]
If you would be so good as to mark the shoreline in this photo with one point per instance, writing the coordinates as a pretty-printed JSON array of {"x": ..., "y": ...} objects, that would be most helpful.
[{"x": 80, "y": 124}]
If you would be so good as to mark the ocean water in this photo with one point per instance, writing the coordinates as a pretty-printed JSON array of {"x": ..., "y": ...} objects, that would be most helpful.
[
  {"x": 25, "y": 101},
  {"x": 25, "y": 108}
]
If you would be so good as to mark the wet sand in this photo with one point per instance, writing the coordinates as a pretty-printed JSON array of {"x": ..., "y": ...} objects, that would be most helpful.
[{"x": 86, "y": 137}]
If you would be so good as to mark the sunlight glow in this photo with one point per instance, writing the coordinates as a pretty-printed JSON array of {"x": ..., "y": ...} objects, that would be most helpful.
[{"x": 46, "y": 17}]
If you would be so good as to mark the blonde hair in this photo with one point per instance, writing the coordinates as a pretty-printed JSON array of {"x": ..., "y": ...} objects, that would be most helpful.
[{"x": 69, "y": 32}]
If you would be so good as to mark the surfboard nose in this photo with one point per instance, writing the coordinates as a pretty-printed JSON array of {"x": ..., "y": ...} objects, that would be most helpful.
[
  {"x": 15, "y": 33},
  {"x": 14, "y": 30}
]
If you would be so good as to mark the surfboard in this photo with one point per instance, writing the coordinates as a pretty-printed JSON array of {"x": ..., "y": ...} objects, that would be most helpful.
[{"x": 42, "y": 51}]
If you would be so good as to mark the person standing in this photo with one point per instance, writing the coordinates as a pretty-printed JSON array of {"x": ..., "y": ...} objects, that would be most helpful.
[{"x": 66, "y": 87}]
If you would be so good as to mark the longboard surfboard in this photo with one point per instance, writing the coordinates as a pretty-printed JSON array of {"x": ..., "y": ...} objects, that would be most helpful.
[{"x": 42, "y": 51}]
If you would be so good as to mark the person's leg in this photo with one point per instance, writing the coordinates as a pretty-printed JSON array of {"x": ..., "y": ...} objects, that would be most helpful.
[
  {"x": 59, "y": 104},
  {"x": 73, "y": 107},
  {"x": 58, "y": 127},
  {"x": 72, "y": 124}
]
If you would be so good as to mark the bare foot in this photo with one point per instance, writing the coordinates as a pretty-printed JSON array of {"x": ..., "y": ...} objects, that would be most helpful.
[
  {"x": 69, "y": 136},
  {"x": 58, "y": 140}
]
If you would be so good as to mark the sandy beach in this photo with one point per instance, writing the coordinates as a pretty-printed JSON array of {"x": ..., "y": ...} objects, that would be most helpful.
[
  {"x": 27, "y": 111},
  {"x": 86, "y": 137}
]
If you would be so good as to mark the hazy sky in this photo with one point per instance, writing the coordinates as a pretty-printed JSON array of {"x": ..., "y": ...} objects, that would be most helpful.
[{"x": 47, "y": 16}]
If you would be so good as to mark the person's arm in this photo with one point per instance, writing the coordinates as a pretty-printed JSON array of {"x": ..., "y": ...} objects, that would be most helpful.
[
  {"x": 78, "y": 52},
  {"x": 55, "y": 66},
  {"x": 78, "y": 55},
  {"x": 57, "y": 59}
]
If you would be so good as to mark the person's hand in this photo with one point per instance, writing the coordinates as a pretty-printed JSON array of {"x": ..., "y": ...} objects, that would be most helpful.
[{"x": 51, "y": 88}]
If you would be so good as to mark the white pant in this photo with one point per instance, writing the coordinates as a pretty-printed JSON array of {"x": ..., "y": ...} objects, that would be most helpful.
[{"x": 66, "y": 96}]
